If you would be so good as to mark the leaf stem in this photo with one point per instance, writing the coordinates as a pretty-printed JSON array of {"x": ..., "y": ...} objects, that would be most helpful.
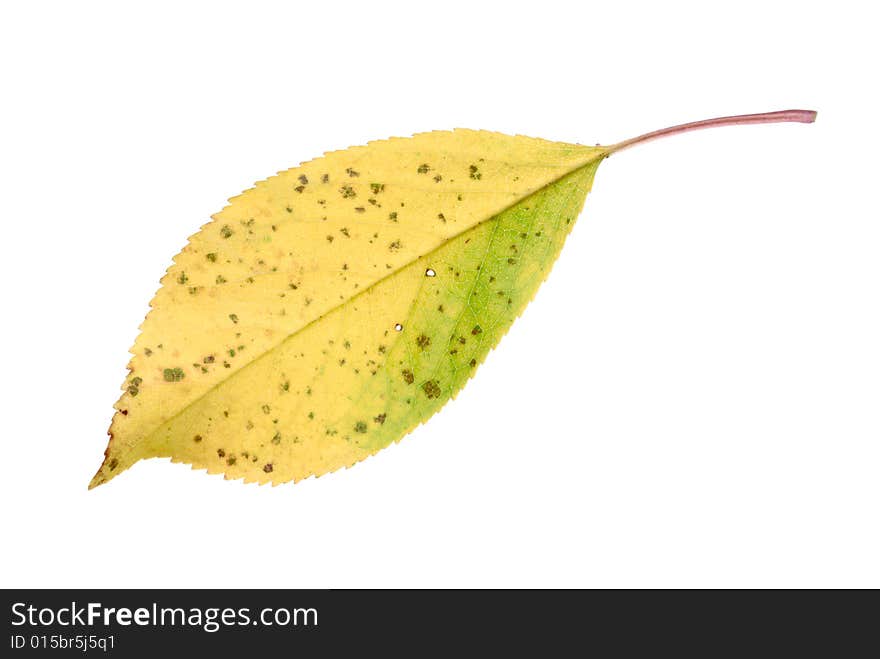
[{"x": 802, "y": 116}]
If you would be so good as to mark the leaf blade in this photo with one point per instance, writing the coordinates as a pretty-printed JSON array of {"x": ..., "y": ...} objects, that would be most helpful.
[{"x": 536, "y": 166}]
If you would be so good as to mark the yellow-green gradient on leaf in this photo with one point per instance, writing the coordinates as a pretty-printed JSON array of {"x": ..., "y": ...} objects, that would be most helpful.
[{"x": 331, "y": 309}]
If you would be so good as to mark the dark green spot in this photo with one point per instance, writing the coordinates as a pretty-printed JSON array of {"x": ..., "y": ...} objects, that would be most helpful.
[
  {"x": 133, "y": 385},
  {"x": 173, "y": 374}
]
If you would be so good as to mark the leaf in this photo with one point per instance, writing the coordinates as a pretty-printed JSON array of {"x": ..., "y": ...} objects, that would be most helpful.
[{"x": 331, "y": 309}]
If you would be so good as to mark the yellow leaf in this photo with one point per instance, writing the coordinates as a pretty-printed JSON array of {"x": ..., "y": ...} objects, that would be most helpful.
[{"x": 326, "y": 312}]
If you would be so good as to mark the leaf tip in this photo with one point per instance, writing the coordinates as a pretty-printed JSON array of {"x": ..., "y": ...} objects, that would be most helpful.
[
  {"x": 101, "y": 476},
  {"x": 114, "y": 463}
]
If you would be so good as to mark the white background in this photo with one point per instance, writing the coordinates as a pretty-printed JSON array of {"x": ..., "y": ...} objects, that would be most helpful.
[{"x": 691, "y": 400}]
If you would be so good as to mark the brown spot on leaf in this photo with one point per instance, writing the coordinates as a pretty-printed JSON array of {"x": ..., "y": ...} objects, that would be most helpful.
[{"x": 431, "y": 389}]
